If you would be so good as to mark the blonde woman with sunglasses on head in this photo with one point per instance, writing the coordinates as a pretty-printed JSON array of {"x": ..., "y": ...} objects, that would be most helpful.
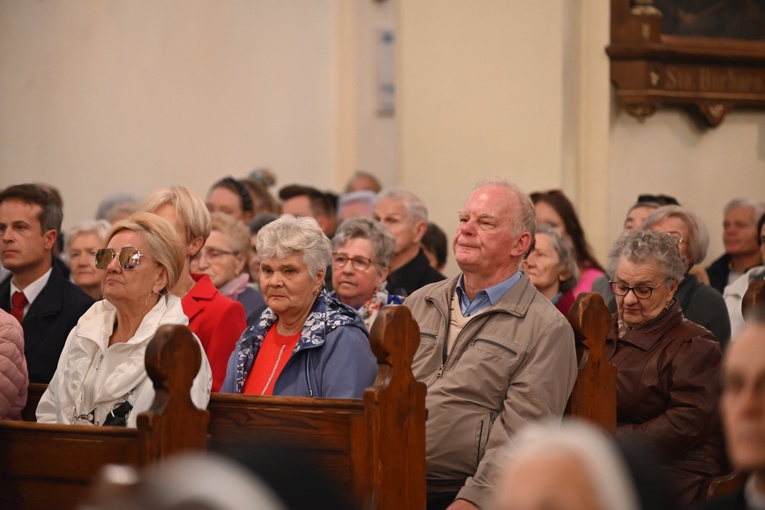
[{"x": 101, "y": 378}]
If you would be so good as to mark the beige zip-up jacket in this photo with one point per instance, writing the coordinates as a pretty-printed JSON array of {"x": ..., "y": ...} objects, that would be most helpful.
[{"x": 512, "y": 364}]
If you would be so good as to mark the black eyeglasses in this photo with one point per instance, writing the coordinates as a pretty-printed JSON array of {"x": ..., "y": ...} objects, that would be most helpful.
[
  {"x": 359, "y": 263},
  {"x": 640, "y": 291},
  {"x": 128, "y": 257}
]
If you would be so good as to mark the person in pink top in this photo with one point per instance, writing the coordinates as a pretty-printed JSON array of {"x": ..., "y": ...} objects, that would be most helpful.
[
  {"x": 554, "y": 208},
  {"x": 217, "y": 320},
  {"x": 14, "y": 380}
]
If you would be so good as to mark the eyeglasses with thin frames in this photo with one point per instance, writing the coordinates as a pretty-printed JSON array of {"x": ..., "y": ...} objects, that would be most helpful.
[
  {"x": 359, "y": 263},
  {"x": 214, "y": 254}
]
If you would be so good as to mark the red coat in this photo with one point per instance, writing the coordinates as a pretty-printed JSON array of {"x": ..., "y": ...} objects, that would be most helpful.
[{"x": 218, "y": 322}]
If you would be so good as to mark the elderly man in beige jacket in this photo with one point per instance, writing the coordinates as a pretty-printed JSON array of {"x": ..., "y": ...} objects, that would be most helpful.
[{"x": 494, "y": 353}]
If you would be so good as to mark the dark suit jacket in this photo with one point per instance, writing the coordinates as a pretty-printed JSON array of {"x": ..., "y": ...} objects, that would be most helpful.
[{"x": 47, "y": 323}]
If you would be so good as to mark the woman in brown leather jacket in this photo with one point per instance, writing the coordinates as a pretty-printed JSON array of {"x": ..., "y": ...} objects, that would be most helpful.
[{"x": 668, "y": 367}]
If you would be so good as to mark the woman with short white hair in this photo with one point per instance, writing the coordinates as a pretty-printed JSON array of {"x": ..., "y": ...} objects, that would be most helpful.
[{"x": 306, "y": 343}]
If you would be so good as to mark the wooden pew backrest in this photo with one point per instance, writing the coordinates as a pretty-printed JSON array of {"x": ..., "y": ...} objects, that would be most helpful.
[
  {"x": 374, "y": 448},
  {"x": 594, "y": 395},
  {"x": 50, "y": 466}
]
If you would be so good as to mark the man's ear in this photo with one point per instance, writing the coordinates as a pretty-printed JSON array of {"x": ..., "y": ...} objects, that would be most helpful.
[
  {"x": 420, "y": 228},
  {"x": 521, "y": 245},
  {"x": 50, "y": 237},
  {"x": 194, "y": 246}
]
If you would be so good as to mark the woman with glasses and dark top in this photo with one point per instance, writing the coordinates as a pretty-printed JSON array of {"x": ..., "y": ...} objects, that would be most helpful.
[
  {"x": 224, "y": 259},
  {"x": 306, "y": 343},
  {"x": 554, "y": 208},
  {"x": 101, "y": 378},
  {"x": 216, "y": 320},
  {"x": 361, "y": 253},
  {"x": 700, "y": 303},
  {"x": 667, "y": 366}
]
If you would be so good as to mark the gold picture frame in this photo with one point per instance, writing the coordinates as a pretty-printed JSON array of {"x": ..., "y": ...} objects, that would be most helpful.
[{"x": 687, "y": 59}]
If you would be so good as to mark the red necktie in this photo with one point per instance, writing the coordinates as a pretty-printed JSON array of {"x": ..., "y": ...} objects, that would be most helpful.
[{"x": 18, "y": 302}]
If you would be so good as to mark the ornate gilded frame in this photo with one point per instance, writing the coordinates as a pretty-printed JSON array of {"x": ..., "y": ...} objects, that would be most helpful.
[{"x": 651, "y": 70}]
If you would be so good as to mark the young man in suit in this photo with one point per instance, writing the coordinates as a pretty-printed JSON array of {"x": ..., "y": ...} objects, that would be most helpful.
[{"x": 37, "y": 292}]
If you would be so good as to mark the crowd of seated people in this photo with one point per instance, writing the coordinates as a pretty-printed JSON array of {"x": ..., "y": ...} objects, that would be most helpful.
[{"x": 282, "y": 293}]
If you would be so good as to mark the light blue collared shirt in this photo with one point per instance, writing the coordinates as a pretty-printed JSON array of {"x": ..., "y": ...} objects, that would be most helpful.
[{"x": 484, "y": 298}]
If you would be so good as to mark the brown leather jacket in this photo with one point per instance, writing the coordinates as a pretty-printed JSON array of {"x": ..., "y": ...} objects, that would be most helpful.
[{"x": 667, "y": 394}]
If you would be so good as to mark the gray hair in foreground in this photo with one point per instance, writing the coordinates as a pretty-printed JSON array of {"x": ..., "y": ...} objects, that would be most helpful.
[
  {"x": 699, "y": 236},
  {"x": 288, "y": 234},
  {"x": 645, "y": 246},
  {"x": 526, "y": 219},
  {"x": 383, "y": 244},
  {"x": 608, "y": 472},
  {"x": 566, "y": 256}
]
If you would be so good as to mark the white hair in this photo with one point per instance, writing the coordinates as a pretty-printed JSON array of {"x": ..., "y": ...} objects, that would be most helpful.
[{"x": 605, "y": 467}]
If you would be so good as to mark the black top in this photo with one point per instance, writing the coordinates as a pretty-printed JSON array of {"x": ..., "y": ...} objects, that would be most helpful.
[{"x": 413, "y": 275}]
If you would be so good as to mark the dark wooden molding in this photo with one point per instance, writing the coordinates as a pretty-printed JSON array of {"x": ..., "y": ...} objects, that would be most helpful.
[{"x": 651, "y": 70}]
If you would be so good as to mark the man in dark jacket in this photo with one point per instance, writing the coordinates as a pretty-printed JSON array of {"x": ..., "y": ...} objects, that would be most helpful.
[
  {"x": 37, "y": 293},
  {"x": 742, "y": 406},
  {"x": 742, "y": 252},
  {"x": 406, "y": 217}
]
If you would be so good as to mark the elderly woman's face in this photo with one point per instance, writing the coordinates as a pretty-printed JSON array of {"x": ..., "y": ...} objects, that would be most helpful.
[
  {"x": 355, "y": 286},
  {"x": 543, "y": 267},
  {"x": 132, "y": 287},
  {"x": 218, "y": 259},
  {"x": 632, "y": 310},
  {"x": 81, "y": 261},
  {"x": 677, "y": 229},
  {"x": 287, "y": 285}
]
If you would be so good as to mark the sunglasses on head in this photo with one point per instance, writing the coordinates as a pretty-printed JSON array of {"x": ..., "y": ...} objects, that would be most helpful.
[{"x": 128, "y": 257}]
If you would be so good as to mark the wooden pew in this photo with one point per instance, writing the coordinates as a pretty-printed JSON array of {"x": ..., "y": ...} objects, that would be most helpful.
[
  {"x": 373, "y": 448},
  {"x": 50, "y": 466},
  {"x": 594, "y": 395}
]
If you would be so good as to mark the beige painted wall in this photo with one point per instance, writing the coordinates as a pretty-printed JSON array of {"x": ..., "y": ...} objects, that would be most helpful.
[{"x": 105, "y": 95}]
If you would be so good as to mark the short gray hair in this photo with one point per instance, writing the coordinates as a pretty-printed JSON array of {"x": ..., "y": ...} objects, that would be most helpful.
[
  {"x": 98, "y": 227},
  {"x": 641, "y": 246},
  {"x": 526, "y": 221},
  {"x": 237, "y": 232},
  {"x": 383, "y": 243},
  {"x": 287, "y": 235},
  {"x": 697, "y": 230},
  {"x": 566, "y": 255},
  {"x": 416, "y": 210},
  {"x": 363, "y": 196},
  {"x": 758, "y": 206}
]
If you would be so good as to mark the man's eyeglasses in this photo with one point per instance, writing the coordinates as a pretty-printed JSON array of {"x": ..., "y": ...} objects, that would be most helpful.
[
  {"x": 359, "y": 263},
  {"x": 213, "y": 254},
  {"x": 128, "y": 257},
  {"x": 640, "y": 291}
]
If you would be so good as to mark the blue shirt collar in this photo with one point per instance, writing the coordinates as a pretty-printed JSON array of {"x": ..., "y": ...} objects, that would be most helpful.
[{"x": 483, "y": 298}]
